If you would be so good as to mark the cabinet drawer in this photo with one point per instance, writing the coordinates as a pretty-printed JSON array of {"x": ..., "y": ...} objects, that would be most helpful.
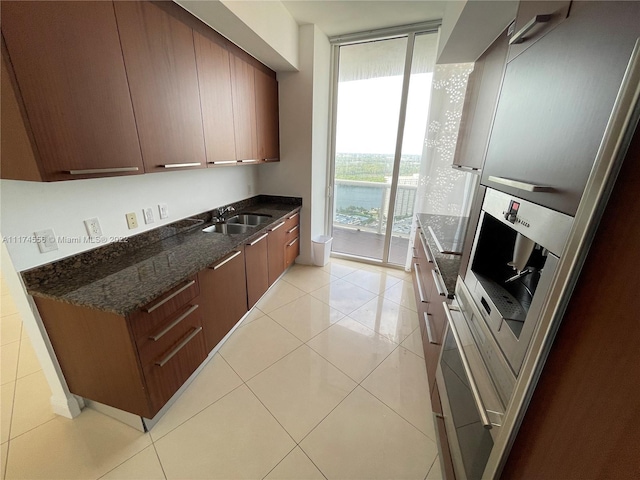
[
  {"x": 291, "y": 251},
  {"x": 166, "y": 374},
  {"x": 152, "y": 315},
  {"x": 160, "y": 340},
  {"x": 446, "y": 461}
]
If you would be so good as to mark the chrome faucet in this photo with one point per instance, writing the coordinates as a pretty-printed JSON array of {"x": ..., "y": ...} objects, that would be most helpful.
[{"x": 222, "y": 211}]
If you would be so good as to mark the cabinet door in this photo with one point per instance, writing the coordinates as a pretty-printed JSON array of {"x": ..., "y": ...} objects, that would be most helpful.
[
  {"x": 68, "y": 64},
  {"x": 267, "y": 117},
  {"x": 214, "y": 79},
  {"x": 223, "y": 296},
  {"x": 161, "y": 67},
  {"x": 257, "y": 269},
  {"x": 483, "y": 88},
  {"x": 244, "y": 109},
  {"x": 276, "y": 243},
  {"x": 556, "y": 100}
]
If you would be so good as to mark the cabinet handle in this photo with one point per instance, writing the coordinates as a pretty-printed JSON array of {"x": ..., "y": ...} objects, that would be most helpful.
[
  {"x": 436, "y": 278},
  {"x": 222, "y": 162},
  {"x": 415, "y": 252},
  {"x": 465, "y": 363},
  {"x": 529, "y": 187},
  {"x": 91, "y": 171},
  {"x": 293, "y": 229},
  {"x": 257, "y": 240},
  {"x": 271, "y": 159},
  {"x": 419, "y": 282},
  {"x": 293, "y": 216},
  {"x": 165, "y": 300},
  {"x": 179, "y": 347},
  {"x": 519, "y": 37},
  {"x": 428, "y": 325},
  {"x": 427, "y": 250},
  {"x": 466, "y": 168},
  {"x": 161, "y": 334},
  {"x": 181, "y": 165},
  {"x": 228, "y": 259},
  {"x": 249, "y": 160},
  {"x": 292, "y": 242},
  {"x": 276, "y": 227}
]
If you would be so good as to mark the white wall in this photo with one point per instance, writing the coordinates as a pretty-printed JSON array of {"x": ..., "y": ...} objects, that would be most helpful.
[
  {"x": 31, "y": 206},
  {"x": 304, "y": 110}
]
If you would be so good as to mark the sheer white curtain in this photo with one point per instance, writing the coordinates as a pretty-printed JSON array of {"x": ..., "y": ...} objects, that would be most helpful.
[{"x": 441, "y": 189}]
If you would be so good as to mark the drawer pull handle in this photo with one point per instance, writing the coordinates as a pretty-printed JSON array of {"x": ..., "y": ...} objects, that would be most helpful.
[
  {"x": 293, "y": 229},
  {"x": 293, "y": 216},
  {"x": 90, "y": 171},
  {"x": 428, "y": 325},
  {"x": 179, "y": 347},
  {"x": 275, "y": 159},
  {"x": 427, "y": 250},
  {"x": 222, "y": 162},
  {"x": 257, "y": 240},
  {"x": 276, "y": 227},
  {"x": 439, "y": 287},
  {"x": 228, "y": 259},
  {"x": 519, "y": 37},
  {"x": 419, "y": 282},
  {"x": 248, "y": 160},
  {"x": 165, "y": 300},
  {"x": 415, "y": 253},
  {"x": 527, "y": 187},
  {"x": 161, "y": 334},
  {"x": 181, "y": 165},
  {"x": 292, "y": 242},
  {"x": 467, "y": 369}
]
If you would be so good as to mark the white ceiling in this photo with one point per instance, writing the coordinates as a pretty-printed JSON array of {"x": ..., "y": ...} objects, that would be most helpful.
[{"x": 338, "y": 17}]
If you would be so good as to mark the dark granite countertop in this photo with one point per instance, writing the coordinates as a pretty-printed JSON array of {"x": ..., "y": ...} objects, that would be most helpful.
[
  {"x": 445, "y": 234},
  {"x": 121, "y": 278}
]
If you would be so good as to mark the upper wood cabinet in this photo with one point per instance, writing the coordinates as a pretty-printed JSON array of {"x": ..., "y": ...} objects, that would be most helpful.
[
  {"x": 267, "y": 117},
  {"x": 244, "y": 109},
  {"x": 214, "y": 79},
  {"x": 68, "y": 64},
  {"x": 480, "y": 102},
  {"x": 161, "y": 67}
]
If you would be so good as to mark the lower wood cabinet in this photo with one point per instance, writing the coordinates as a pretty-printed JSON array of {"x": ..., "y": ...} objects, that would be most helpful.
[
  {"x": 284, "y": 245},
  {"x": 257, "y": 269},
  {"x": 223, "y": 296}
]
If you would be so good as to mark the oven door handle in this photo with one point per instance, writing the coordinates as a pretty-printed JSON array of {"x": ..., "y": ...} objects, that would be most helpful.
[{"x": 465, "y": 363}]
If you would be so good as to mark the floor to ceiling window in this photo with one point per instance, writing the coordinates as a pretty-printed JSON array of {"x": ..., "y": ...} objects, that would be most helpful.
[{"x": 382, "y": 101}]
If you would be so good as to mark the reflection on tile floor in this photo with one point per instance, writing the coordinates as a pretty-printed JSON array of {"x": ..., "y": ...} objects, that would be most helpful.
[{"x": 323, "y": 379}]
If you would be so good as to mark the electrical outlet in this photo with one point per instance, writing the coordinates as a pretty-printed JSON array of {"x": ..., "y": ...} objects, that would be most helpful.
[
  {"x": 93, "y": 227},
  {"x": 164, "y": 210},
  {"x": 147, "y": 213},
  {"x": 46, "y": 240},
  {"x": 132, "y": 221}
]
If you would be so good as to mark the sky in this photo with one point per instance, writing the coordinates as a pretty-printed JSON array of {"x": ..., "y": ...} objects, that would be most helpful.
[{"x": 368, "y": 113}]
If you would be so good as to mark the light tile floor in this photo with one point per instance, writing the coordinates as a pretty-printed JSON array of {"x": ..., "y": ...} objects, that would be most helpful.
[{"x": 324, "y": 379}]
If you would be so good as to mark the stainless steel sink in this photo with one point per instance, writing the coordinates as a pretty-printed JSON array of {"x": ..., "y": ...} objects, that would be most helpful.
[
  {"x": 252, "y": 219},
  {"x": 228, "y": 228}
]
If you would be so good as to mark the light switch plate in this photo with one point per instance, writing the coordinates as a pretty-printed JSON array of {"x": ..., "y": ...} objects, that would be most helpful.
[
  {"x": 46, "y": 240},
  {"x": 132, "y": 221},
  {"x": 147, "y": 213},
  {"x": 163, "y": 209},
  {"x": 93, "y": 227}
]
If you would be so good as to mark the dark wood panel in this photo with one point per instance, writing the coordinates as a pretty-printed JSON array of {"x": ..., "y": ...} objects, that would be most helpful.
[
  {"x": 223, "y": 298},
  {"x": 257, "y": 269},
  {"x": 214, "y": 79},
  {"x": 97, "y": 355},
  {"x": 584, "y": 417},
  {"x": 144, "y": 322},
  {"x": 163, "y": 381},
  {"x": 480, "y": 103},
  {"x": 68, "y": 63},
  {"x": 446, "y": 461},
  {"x": 161, "y": 67},
  {"x": 16, "y": 151},
  {"x": 291, "y": 252},
  {"x": 267, "y": 117},
  {"x": 244, "y": 109},
  {"x": 556, "y": 100}
]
